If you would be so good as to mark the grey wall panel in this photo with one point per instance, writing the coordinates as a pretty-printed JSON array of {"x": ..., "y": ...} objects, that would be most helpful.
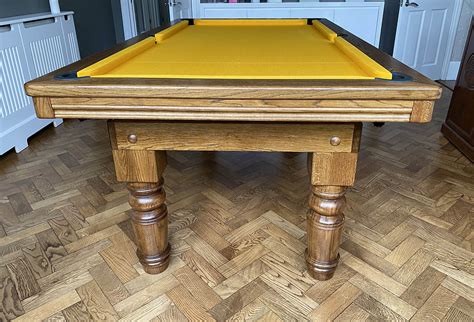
[
  {"x": 10, "y": 8},
  {"x": 95, "y": 25}
]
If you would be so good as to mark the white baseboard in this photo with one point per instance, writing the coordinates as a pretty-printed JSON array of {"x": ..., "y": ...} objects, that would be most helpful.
[{"x": 453, "y": 70}]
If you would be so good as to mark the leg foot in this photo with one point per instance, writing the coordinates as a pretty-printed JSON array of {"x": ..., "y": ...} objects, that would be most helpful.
[
  {"x": 325, "y": 222},
  {"x": 150, "y": 223}
]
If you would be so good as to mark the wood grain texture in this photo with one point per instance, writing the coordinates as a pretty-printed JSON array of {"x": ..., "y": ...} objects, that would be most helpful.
[
  {"x": 39, "y": 262},
  {"x": 150, "y": 223},
  {"x": 235, "y": 105},
  {"x": 236, "y": 89},
  {"x": 227, "y": 136},
  {"x": 422, "y": 111},
  {"x": 139, "y": 165},
  {"x": 332, "y": 168},
  {"x": 77, "y": 312},
  {"x": 10, "y": 301},
  {"x": 43, "y": 107},
  {"x": 109, "y": 283},
  {"x": 324, "y": 230},
  {"x": 97, "y": 304},
  {"x": 234, "y": 110},
  {"x": 55, "y": 305},
  {"x": 23, "y": 278}
]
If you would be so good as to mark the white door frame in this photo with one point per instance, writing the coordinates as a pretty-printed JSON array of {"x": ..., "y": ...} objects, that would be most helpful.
[{"x": 129, "y": 19}]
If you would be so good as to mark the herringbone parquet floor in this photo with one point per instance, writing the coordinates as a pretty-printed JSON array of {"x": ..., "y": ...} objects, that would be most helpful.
[{"x": 238, "y": 234}]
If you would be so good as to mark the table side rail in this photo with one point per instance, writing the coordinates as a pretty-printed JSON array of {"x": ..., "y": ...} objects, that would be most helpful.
[{"x": 236, "y": 109}]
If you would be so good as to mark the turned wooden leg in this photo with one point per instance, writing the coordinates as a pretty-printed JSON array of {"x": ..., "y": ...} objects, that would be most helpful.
[
  {"x": 143, "y": 170},
  {"x": 150, "y": 223},
  {"x": 325, "y": 221},
  {"x": 331, "y": 175}
]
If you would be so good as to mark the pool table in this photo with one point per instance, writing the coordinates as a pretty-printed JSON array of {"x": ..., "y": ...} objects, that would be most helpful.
[{"x": 284, "y": 85}]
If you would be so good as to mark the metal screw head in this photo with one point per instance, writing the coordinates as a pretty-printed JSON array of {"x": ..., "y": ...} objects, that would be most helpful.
[
  {"x": 132, "y": 138},
  {"x": 335, "y": 141}
]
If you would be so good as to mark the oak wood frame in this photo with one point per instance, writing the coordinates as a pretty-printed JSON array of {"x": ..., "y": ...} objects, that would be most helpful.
[{"x": 303, "y": 109}]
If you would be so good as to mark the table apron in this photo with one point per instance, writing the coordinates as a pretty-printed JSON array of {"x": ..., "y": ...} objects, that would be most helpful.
[{"x": 234, "y": 136}]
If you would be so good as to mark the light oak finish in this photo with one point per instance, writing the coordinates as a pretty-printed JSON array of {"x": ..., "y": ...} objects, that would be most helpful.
[
  {"x": 332, "y": 168},
  {"x": 280, "y": 137},
  {"x": 234, "y": 89},
  {"x": 324, "y": 227},
  {"x": 150, "y": 223},
  {"x": 330, "y": 176},
  {"x": 216, "y": 105},
  {"x": 237, "y": 109},
  {"x": 139, "y": 165},
  {"x": 43, "y": 107},
  {"x": 422, "y": 111}
]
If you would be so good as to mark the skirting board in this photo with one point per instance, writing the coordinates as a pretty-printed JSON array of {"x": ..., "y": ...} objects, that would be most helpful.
[
  {"x": 17, "y": 137},
  {"x": 453, "y": 70}
]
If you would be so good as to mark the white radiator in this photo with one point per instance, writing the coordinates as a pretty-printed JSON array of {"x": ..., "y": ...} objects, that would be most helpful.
[{"x": 30, "y": 46}]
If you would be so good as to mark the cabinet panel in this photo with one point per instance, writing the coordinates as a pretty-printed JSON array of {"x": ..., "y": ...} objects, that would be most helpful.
[
  {"x": 211, "y": 13},
  {"x": 70, "y": 38},
  {"x": 44, "y": 45},
  {"x": 312, "y": 13},
  {"x": 268, "y": 13},
  {"x": 459, "y": 125},
  {"x": 13, "y": 73},
  {"x": 363, "y": 19},
  {"x": 362, "y": 22}
]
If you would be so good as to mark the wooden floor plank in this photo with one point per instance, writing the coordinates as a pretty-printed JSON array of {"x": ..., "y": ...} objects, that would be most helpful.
[
  {"x": 149, "y": 310},
  {"x": 388, "y": 299},
  {"x": 197, "y": 287},
  {"x": 53, "y": 306},
  {"x": 109, "y": 283},
  {"x": 145, "y": 296},
  {"x": 10, "y": 304},
  {"x": 76, "y": 312},
  {"x": 422, "y": 287},
  {"x": 353, "y": 313},
  {"x": 96, "y": 303},
  {"x": 23, "y": 278},
  {"x": 188, "y": 305},
  {"x": 437, "y": 305},
  {"x": 336, "y": 303},
  {"x": 237, "y": 301}
]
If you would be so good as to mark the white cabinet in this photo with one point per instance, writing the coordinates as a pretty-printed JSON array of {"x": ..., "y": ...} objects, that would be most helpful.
[
  {"x": 30, "y": 46},
  {"x": 364, "y": 19}
]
